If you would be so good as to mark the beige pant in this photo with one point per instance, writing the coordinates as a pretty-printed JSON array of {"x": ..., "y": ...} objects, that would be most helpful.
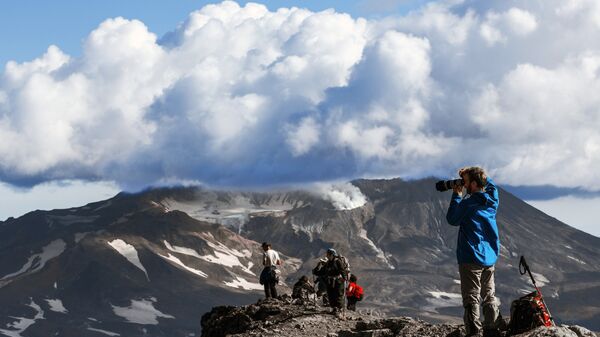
[{"x": 478, "y": 282}]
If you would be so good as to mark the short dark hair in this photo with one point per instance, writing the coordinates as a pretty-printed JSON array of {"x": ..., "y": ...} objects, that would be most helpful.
[
  {"x": 353, "y": 278},
  {"x": 476, "y": 174},
  {"x": 266, "y": 244}
]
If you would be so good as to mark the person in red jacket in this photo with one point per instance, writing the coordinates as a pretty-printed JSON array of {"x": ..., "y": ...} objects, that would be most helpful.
[{"x": 354, "y": 293}]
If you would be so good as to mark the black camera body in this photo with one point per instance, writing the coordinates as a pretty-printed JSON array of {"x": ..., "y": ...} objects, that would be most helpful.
[{"x": 444, "y": 185}]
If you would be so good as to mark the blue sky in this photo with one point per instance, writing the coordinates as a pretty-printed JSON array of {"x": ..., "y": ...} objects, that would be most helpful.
[
  {"x": 28, "y": 27},
  {"x": 245, "y": 95}
]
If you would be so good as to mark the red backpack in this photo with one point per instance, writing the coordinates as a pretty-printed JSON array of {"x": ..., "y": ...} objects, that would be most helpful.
[
  {"x": 527, "y": 313},
  {"x": 357, "y": 291}
]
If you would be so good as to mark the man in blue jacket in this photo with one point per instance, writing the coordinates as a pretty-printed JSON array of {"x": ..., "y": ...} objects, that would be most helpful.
[{"x": 477, "y": 249}]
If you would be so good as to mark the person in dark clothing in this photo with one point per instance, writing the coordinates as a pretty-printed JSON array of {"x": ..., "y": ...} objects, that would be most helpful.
[
  {"x": 321, "y": 281},
  {"x": 302, "y": 289},
  {"x": 268, "y": 277},
  {"x": 333, "y": 271}
]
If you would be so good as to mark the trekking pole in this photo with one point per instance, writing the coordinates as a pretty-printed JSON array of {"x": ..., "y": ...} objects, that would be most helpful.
[
  {"x": 315, "y": 290},
  {"x": 524, "y": 268},
  {"x": 344, "y": 302}
]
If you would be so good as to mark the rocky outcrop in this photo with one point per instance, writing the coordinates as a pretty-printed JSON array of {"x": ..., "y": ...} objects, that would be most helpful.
[{"x": 285, "y": 317}]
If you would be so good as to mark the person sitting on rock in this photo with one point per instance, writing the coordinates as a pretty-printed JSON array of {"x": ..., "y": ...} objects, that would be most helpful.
[
  {"x": 303, "y": 289},
  {"x": 354, "y": 293}
]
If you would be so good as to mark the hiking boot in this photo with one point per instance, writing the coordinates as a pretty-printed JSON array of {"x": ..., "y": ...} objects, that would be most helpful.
[
  {"x": 476, "y": 333},
  {"x": 491, "y": 333},
  {"x": 338, "y": 313},
  {"x": 502, "y": 323}
]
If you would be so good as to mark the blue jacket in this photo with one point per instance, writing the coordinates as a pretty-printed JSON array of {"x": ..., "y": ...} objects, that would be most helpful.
[{"x": 478, "y": 240}]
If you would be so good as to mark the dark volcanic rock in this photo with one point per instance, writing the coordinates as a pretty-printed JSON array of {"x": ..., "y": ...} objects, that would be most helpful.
[{"x": 290, "y": 319}]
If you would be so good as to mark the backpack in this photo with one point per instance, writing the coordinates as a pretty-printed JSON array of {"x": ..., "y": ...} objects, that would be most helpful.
[
  {"x": 345, "y": 267},
  {"x": 528, "y": 312},
  {"x": 359, "y": 292},
  {"x": 269, "y": 274}
]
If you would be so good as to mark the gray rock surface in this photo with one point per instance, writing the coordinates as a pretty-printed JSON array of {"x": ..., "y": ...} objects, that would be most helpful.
[{"x": 285, "y": 317}]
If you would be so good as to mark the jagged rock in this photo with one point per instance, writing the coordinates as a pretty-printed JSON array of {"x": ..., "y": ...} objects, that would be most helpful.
[
  {"x": 293, "y": 319},
  {"x": 225, "y": 320},
  {"x": 393, "y": 324},
  {"x": 558, "y": 331},
  {"x": 367, "y": 333},
  {"x": 581, "y": 331}
]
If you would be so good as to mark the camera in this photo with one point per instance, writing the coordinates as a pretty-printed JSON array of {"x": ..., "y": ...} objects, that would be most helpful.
[{"x": 444, "y": 185}]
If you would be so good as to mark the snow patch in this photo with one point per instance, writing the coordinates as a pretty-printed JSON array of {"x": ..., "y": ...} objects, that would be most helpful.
[
  {"x": 21, "y": 324},
  {"x": 456, "y": 281},
  {"x": 222, "y": 255},
  {"x": 540, "y": 279},
  {"x": 226, "y": 256},
  {"x": 576, "y": 259},
  {"x": 140, "y": 312},
  {"x": 524, "y": 291},
  {"x": 240, "y": 282},
  {"x": 344, "y": 196},
  {"x": 445, "y": 295},
  {"x": 108, "y": 333},
  {"x": 182, "y": 250},
  {"x": 56, "y": 305},
  {"x": 129, "y": 252},
  {"x": 380, "y": 253},
  {"x": 310, "y": 229},
  {"x": 440, "y": 299},
  {"x": 37, "y": 261},
  {"x": 233, "y": 213},
  {"x": 178, "y": 262}
]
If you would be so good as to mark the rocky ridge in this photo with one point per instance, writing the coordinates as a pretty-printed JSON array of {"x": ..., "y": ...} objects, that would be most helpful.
[{"x": 293, "y": 318}]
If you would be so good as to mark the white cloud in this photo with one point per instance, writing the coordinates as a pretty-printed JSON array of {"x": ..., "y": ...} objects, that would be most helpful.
[
  {"x": 303, "y": 136},
  {"x": 515, "y": 21},
  {"x": 244, "y": 95},
  {"x": 587, "y": 11},
  {"x": 558, "y": 139}
]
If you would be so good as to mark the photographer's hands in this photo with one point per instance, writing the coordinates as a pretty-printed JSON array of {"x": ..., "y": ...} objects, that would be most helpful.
[{"x": 459, "y": 189}]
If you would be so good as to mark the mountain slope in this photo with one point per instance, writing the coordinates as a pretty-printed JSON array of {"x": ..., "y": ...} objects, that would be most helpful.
[{"x": 153, "y": 262}]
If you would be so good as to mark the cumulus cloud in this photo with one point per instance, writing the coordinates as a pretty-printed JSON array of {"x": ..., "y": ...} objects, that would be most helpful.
[
  {"x": 515, "y": 21},
  {"x": 246, "y": 96}
]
